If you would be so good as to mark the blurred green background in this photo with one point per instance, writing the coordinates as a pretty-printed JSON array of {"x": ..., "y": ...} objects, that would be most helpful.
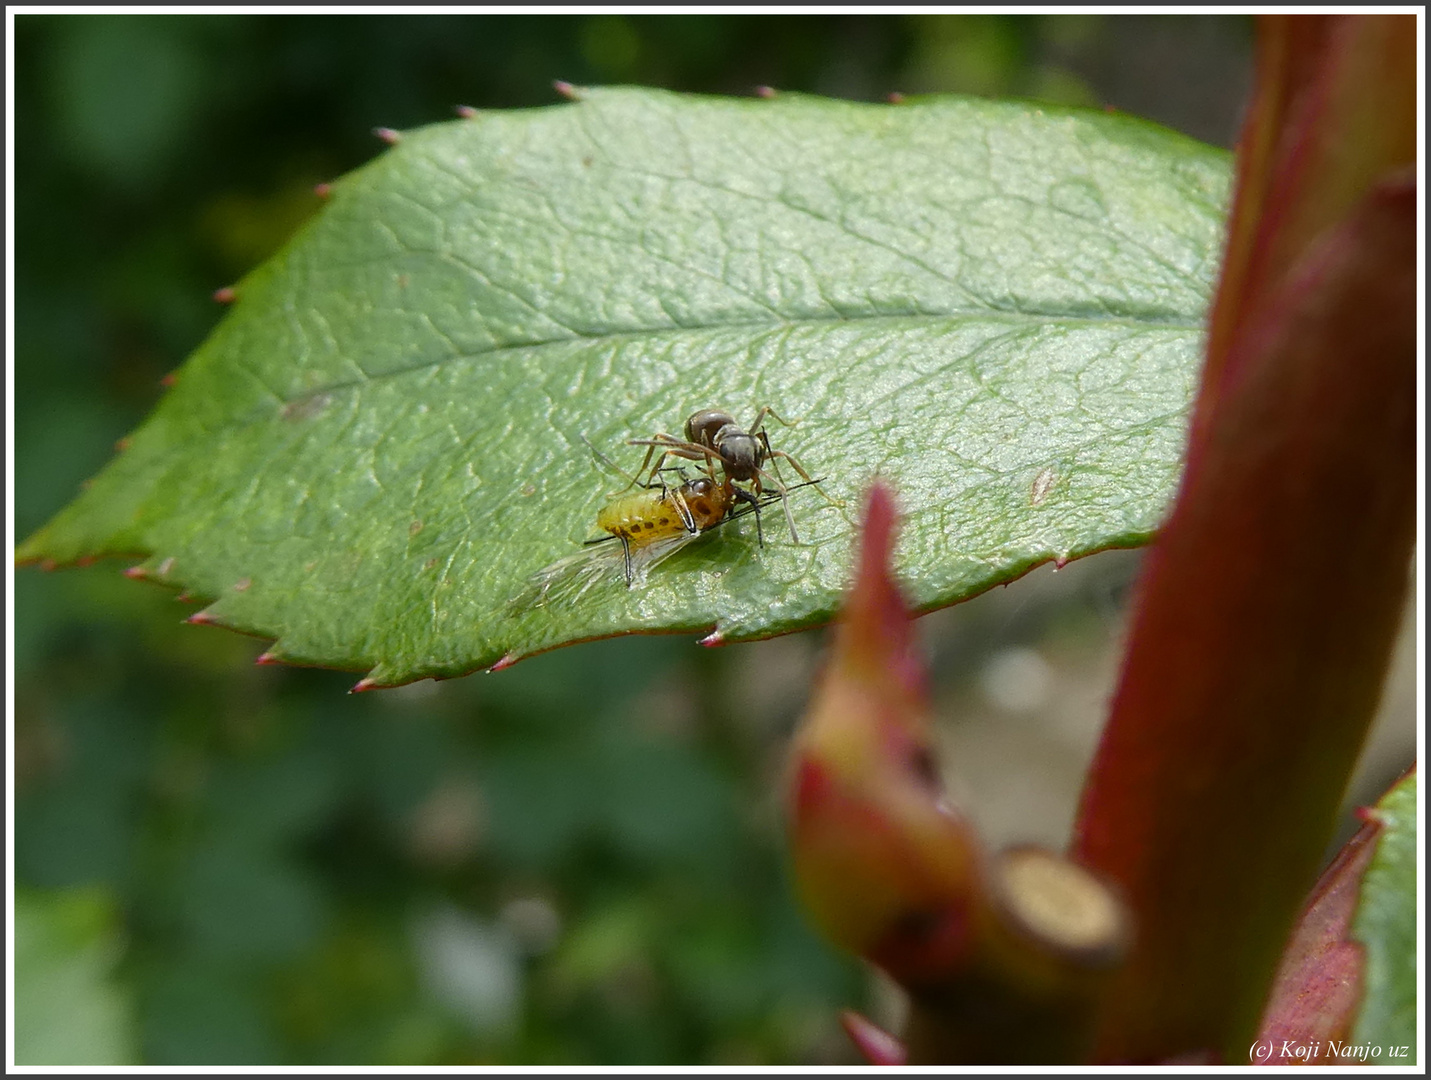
[{"x": 574, "y": 861}]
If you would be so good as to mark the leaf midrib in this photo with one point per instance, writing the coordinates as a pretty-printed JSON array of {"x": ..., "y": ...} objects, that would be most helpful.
[{"x": 1029, "y": 319}]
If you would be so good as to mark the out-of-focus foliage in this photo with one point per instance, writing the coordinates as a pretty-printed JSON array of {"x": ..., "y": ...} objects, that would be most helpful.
[
  {"x": 67, "y": 1009},
  {"x": 573, "y": 861}
]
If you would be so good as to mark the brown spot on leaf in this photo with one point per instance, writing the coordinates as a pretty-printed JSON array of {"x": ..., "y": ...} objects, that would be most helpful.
[{"x": 1042, "y": 484}]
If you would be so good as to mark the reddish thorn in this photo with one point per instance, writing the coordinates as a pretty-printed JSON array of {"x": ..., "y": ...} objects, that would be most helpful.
[
  {"x": 878, "y": 1046},
  {"x": 242, "y": 583},
  {"x": 712, "y": 640},
  {"x": 362, "y": 685},
  {"x": 766, "y": 92},
  {"x": 566, "y": 90},
  {"x": 226, "y": 295},
  {"x": 122, "y": 444},
  {"x": 48, "y": 564},
  {"x": 323, "y": 191},
  {"x": 184, "y": 597},
  {"x": 467, "y": 112},
  {"x": 388, "y": 135},
  {"x": 202, "y": 618},
  {"x": 1369, "y": 815},
  {"x": 1059, "y": 562},
  {"x": 266, "y": 658},
  {"x": 895, "y": 98},
  {"x": 136, "y": 572},
  {"x": 506, "y": 662},
  {"x": 169, "y": 379},
  {"x": 1110, "y": 109},
  {"x": 85, "y": 560}
]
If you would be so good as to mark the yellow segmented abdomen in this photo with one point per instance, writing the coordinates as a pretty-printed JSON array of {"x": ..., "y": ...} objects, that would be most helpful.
[{"x": 641, "y": 517}]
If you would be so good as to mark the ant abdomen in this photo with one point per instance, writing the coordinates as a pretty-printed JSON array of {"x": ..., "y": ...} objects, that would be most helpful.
[{"x": 702, "y": 427}]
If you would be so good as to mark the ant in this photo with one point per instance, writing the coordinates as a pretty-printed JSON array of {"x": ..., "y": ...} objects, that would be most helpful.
[{"x": 713, "y": 437}]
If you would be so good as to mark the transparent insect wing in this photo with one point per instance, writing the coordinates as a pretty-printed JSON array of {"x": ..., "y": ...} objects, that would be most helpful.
[{"x": 565, "y": 582}]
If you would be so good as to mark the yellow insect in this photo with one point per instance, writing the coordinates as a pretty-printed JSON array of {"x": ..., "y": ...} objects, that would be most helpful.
[{"x": 651, "y": 525}]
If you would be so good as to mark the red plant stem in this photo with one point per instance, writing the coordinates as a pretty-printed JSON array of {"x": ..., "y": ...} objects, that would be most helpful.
[
  {"x": 1268, "y": 609},
  {"x": 1334, "y": 108}
]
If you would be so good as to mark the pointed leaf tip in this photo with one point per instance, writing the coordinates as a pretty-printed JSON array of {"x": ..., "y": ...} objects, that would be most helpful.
[
  {"x": 877, "y": 1045},
  {"x": 504, "y": 663},
  {"x": 202, "y": 618},
  {"x": 712, "y": 640},
  {"x": 362, "y": 686}
]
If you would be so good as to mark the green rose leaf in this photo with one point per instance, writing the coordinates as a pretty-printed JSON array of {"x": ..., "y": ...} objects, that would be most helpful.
[
  {"x": 1385, "y": 924},
  {"x": 995, "y": 305}
]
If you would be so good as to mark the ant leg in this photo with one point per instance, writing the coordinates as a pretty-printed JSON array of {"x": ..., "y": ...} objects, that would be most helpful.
[
  {"x": 779, "y": 487},
  {"x": 746, "y": 497},
  {"x": 803, "y": 475},
  {"x": 765, "y": 411},
  {"x": 680, "y": 448}
]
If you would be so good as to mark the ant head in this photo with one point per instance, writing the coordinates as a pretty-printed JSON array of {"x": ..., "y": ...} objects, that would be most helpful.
[
  {"x": 741, "y": 453},
  {"x": 701, "y": 427}
]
